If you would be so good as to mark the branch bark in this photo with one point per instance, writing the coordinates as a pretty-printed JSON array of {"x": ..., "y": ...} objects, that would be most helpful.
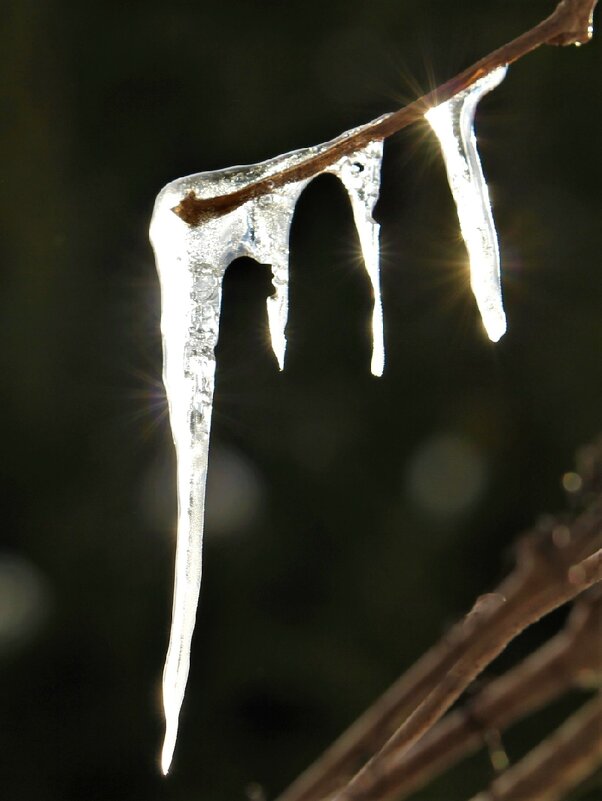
[
  {"x": 558, "y": 764},
  {"x": 555, "y": 562},
  {"x": 377, "y": 780},
  {"x": 571, "y": 659},
  {"x": 570, "y": 23}
]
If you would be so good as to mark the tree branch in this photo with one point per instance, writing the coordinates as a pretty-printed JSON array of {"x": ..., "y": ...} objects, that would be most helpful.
[
  {"x": 377, "y": 780},
  {"x": 570, "y": 23},
  {"x": 572, "y": 658},
  {"x": 558, "y": 764},
  {"x": 543, "y": 578}
]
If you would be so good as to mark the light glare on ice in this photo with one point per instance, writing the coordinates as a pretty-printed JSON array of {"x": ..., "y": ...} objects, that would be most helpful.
[
  {"x": 191, "y": 262},
  {"x": 453, "y": 124}
]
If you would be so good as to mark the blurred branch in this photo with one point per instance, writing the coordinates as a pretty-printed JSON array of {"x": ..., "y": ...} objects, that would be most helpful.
[
  {"x": 570, "y": 23},
  {"x": 556, "y": 561},
  {"x": 377, "y": 780},
  {"x": 571, "y": 659},
  {"x": 561, "y": 762}
]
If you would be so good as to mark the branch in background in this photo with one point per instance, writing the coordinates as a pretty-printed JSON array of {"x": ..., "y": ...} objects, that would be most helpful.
[
  {"x": 571, "y": 659},
  {"x": 570, "y": 23},
  {"x": 543, "y": 579},
  {"x": 377, "y": 780},
  {"x": 560, "y": 763}
]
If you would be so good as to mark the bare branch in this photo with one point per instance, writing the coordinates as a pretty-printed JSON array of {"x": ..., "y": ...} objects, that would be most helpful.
[
  {"x": 570, "y": 23},
  {"x": 377, "y": 780},
  {"x": 572, "y": 658},
  {"x": 542, "y": 579},
  {"x": 558, "y": 764}
]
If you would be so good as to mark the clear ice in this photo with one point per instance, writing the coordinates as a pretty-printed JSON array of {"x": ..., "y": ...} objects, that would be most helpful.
[
  {"x": 453, "y": 124},
  {"x": 191, "y": 262}
]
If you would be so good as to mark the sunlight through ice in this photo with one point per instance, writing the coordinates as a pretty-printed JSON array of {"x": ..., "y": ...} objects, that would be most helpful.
[
  {"x": 453, "y": 124},
  {"x": 191, "y": 262}
]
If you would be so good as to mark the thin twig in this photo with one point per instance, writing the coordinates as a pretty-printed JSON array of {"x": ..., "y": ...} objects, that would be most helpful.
[
  {"x": 572, "y": 658},
  {"x": 544, "y": 556},
  {"x": 570, "y": 23},
  {"x": 560, "y": 763},
  {"x": 377, "y": 780}
]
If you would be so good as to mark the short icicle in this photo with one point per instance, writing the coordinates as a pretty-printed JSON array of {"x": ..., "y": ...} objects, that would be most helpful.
[
  {"x": 453, "y": 124},
  {"x": 360, "y": 175}
]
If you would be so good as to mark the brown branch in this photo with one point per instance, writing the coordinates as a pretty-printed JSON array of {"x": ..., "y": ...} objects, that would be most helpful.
[
  {"x": 377, "y": 780},
  {"x": 558, "y": 764},
  {"x": 572, "y": 658},
  {"x": 570, "y": 23},
  {"x": 539, "y": 580}
]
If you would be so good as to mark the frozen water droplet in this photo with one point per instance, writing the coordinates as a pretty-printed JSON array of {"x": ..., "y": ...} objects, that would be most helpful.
[{"x": 453, "y": 124}]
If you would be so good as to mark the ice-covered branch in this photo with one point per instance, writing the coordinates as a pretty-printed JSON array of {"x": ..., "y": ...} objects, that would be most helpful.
[
  {"x": 247, "y": 211},
  {"x": 570, "y": 23},
  {"x": 555, "y": 561},
  {"x": 192, "y": 262}
]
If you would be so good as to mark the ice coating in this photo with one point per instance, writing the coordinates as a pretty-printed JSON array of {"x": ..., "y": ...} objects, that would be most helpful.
[
  {"x": 191, "y": 262},
  {"x": 360, "y": 175},
  {"x": 453, "y": 124}
]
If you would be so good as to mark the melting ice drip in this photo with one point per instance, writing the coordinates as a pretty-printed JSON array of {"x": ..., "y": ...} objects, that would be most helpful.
[
  {"x": 192, "y": 260},
  {"x": 453, "y": 124}
]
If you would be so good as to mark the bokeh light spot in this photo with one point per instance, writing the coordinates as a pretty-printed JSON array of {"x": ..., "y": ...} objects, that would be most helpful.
[
  {"x": 234, "y": 494},
  {"x": 572, "y": 482},
  {"x": 23, "y": 602},
  {"x": 446, "y": 476}
]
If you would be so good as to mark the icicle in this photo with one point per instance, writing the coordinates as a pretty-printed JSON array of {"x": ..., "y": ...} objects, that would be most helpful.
[
  {"x": 360, "y": 174},
  {"x": 191, "y": 264},
  {"x": 191, "y": 261},
  {"x": 191, "y": 297},
  {"x": 453, "y": 124}
]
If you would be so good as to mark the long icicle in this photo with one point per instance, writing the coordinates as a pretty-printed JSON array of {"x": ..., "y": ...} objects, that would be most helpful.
[{"x": 191, "y": 261}]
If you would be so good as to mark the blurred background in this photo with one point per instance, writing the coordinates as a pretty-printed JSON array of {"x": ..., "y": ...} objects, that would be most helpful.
[{"x": 350, "y": 520}]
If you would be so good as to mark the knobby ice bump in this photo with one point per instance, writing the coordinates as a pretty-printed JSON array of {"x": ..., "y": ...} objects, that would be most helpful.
[
  {"x": 453, "y": 124},
  {"x": 192, "y": 261}
]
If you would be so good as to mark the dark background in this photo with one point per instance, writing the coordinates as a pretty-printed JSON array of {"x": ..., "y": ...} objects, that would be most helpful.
[{"x": 350, "y": 519}]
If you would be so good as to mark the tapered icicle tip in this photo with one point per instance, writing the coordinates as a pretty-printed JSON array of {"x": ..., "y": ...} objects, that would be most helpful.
[
  {"x": 171, "y": 711},
  {"x": 169, "y": 744},
  {"x": 166, "y": 757},
  {"x": 377, "y": 366},
  {"x": 279, "y": 348},
  {"x": 277, "y": 307},
  {"x": 495, "y": 326}
]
